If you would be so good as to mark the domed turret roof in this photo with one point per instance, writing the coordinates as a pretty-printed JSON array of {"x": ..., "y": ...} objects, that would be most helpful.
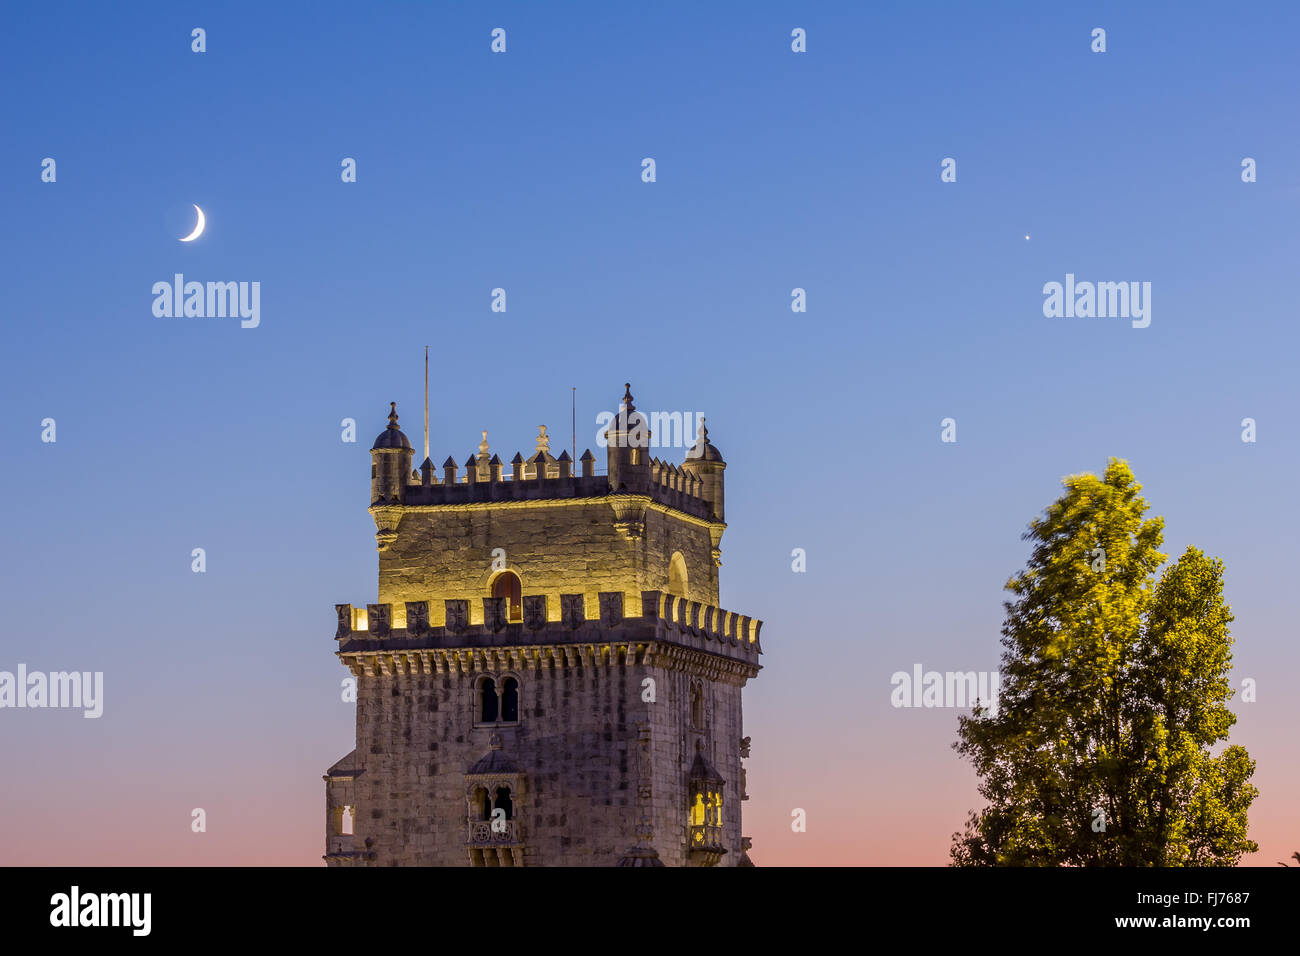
[
  {"x": 640, "y": 856},
  {"x": 391, "y": 437},
  {"x": 703, "y": 449},
  {"x": 494, "y": 761},
  {"x": 627, "y": 417},
  {"x": 643, "y": 853}
]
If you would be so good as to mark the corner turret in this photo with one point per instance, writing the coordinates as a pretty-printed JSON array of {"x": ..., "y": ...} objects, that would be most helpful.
[
  {"x": 390, "y": 463},
  {"x": 705, "y": 463},
  {"x": 627, "y": 444}
]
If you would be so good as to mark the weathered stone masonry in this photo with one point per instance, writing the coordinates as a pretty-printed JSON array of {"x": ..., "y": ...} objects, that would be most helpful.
[{"x": 546, "y": 678}]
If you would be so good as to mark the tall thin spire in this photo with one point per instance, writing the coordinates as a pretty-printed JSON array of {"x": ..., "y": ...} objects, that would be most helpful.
[{"x": 426, "y": 403}]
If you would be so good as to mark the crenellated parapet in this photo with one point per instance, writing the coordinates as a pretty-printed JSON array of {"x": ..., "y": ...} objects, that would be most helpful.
[
  {"x": 694, "y": 487},
  {"x": 677, "y": 488},
  {"x": 670, "y": 485},
  {"x": 667, "y": 630}
]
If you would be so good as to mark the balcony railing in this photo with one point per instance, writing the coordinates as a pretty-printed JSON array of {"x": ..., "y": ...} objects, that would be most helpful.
[
  {"x": 482, "y": 834},
  {"x": 706, "y": 847},
  {"x": 706, "y": 838}
]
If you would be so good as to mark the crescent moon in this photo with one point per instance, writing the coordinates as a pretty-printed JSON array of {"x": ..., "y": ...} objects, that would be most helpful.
[{"x": 198, "y": 227}]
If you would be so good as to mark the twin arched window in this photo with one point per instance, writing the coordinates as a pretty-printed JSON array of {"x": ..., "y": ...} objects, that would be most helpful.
[
  {"x": 499, "y": 705},
  {"x": 498, "y": 801},
  {"x": 706, "y": 808}
]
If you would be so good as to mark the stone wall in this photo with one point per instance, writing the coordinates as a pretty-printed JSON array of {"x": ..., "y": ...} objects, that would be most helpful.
[
  {"x": 566, "y": 546},
  {"x": 575, "y": 745},
  {"x": 674, "y": 741}
]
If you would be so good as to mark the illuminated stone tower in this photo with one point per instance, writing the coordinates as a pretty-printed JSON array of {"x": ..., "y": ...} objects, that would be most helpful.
[{"x": 546, "y": 678}]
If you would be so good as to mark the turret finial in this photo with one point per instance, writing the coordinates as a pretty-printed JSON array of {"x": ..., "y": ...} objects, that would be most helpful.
[
  {"x": 392, "y": 415},
  {"x": 703, "y": 449},
  {"x": 627, "y": 396},
  {"x": 483, "y": 445},
  {"x": 543, "y": 440}
]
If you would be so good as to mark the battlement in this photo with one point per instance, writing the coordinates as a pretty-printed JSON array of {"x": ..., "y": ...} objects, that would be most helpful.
[
  {"x": 663, "y": 618},
  {"x": 676, "y": 487},
  {"x": 540, "y": 478},
  {"x": 695, "y": 487}
]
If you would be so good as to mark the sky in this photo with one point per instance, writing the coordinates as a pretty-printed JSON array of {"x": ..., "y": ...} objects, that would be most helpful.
[{"x": 522, "y": 170}]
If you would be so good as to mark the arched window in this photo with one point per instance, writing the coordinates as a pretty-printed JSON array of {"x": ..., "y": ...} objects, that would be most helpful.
[
  {"x": 697, "y": 809},
  {"x": 677, "y": 575},
  {"x": 489, "y": 698},
  {"x": 497, "y": 700},
  {"x": 343, "y": 818},
  {"x": 507, "y": 585},
  {"x": 510, "y": 700},
  {"x": 503, "y": 802}
]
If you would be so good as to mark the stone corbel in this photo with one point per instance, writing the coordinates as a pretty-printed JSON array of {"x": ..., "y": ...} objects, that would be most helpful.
[
  {"x": 387, "y": 518},
  {"x": 629, "y": 516}
]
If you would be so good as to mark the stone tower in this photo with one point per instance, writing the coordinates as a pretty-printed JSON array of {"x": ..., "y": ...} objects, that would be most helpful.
[{"x": 546, "y": 678}]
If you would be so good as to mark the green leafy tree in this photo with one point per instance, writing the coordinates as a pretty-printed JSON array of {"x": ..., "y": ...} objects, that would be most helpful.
[{"x": 1099, "y": 750}]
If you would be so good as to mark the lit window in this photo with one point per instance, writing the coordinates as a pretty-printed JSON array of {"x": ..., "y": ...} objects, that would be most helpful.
[
  {"x": 704, "y": 811},
  {"x": 507, "y": 585},
  {"x": 677, "y": 575}
]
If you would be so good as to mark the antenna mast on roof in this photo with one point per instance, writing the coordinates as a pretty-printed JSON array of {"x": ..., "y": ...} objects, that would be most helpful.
[{"x": 426, "y": 403}]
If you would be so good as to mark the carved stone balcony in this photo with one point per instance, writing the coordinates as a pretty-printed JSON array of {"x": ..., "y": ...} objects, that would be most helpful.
[
  {"x": 482, "y": 834},
  {"x": 488, "y": 847},
  {"x": 706, "y": 847}
]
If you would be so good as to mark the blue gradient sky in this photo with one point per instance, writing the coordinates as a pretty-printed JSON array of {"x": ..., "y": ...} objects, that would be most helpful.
[{"x": 476, "y": 170}]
